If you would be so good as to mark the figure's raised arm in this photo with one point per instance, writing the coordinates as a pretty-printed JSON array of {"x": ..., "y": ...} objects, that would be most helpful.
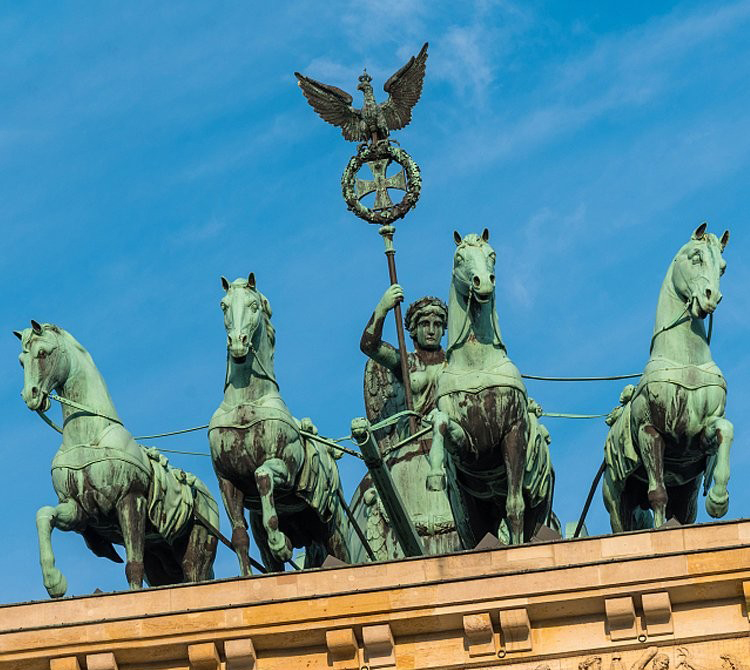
[{"x": 372, "y": 343}]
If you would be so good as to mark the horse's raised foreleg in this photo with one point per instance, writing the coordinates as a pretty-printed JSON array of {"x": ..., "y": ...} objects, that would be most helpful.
[
  {"x": 64, "y": 516},
  {"x": 514, "y": 455},
  {"x": 652, "y": 452},
  {"x": 131, "y": 512},
  {"x": 234, "y": 504},
  {"x": 443, "y": 427},
  {"x": 719, "y": 433},
  {"x": 273, "y": 473}
]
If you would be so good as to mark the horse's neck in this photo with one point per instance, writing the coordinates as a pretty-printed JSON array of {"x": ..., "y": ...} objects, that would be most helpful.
[
  {"x": 85, "y": 386},
  {"x": 249, "y": 381},
  {"x": 473, "y": 332},
  {"x": 684, "y": 341}
]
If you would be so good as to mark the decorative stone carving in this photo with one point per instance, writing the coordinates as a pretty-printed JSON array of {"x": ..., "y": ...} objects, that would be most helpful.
[
  {"x": 240, "y": 654},
  {"x": 203, "y": 656},
  {"x": 379, "y": 647},
  {"x": 620, "y": 615},
  {"x": 343, "y": 649},
  {"x": 105, "y": 661},
  {"x": 657, "y": 613},
  {"x": 67, "y": 663},
  {"x": 516, "y": 629},
  {"x": 479, "y": 636}
]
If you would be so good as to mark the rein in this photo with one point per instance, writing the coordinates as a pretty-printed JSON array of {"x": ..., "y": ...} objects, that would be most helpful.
[
  {"x": 81, "y": 408},
  {"x": 664, "y": 329},
  {"x": 461, "y": 334}
]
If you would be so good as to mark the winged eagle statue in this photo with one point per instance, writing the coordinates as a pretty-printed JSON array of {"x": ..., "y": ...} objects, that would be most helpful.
[{"x": 374, "y": 121}]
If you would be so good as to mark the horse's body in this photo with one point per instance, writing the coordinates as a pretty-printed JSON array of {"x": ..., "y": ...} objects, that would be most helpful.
[
  {"x": 112, "y": 490},
  {"x": 671, "y": 431},
  {"x": 289, "y": 485},
  {"x": 483, "y": 416}
]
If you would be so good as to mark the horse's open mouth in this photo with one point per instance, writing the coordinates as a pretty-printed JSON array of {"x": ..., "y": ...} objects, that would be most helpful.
[
  {"x": 239, "y": 359},
  {"x": 39, "y": 403},
  {"x": 482, "y": 298},
  {"x": 699, "y": 310}
]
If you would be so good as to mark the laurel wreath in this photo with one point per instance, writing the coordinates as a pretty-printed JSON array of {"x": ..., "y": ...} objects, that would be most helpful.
[{"x": 374, "y": 152}]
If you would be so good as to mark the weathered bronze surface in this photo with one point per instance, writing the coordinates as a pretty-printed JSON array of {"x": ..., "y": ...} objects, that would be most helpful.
[
  {"x": 290, "y": 485},
  {"x": 373, "y": 121},
  {"x": 496, "y": 478},
  {"x": 670, "y": 431},
  {"x": 112, "y": 490},
  {"x": 429, "y": 511}
]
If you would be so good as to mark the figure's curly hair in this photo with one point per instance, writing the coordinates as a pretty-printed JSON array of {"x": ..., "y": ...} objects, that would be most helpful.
[{"x": 416, "y": 308}]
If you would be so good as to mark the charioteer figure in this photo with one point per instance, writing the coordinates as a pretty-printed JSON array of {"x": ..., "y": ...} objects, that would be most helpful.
[
  {"x": 426, "y": 321},
  {"x": 430, "y": 511}
]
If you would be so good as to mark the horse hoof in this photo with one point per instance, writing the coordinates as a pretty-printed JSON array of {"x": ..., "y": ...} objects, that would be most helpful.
[
  {"x": 55, "y": 583},
  {"x": 281, "y": 548},
  {"x": 436, "y": 482},
  {"x": 717, "y": 505}
]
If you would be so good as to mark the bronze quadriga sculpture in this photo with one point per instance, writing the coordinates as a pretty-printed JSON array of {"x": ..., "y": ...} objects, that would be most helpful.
[
  {"x": 670, "y": 431},
  {"x": 111, "y": 489}
]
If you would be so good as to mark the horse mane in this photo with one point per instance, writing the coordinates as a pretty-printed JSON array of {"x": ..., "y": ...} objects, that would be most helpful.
[
  {"x": 472, "y": 240},
  {"x": 270, "y": 330},
  {"x": 69, "y": 336},
  {"x": 58, "y": 331}
]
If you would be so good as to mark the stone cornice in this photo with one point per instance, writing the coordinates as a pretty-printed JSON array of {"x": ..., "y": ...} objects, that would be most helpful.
[{"x": 531, "y": 603}]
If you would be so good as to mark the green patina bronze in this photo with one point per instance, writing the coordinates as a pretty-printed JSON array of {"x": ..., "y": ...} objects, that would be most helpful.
[
  {"x": 373, "y": 124},
  {"x": 289, "y": 484},
  {"x": 373, "y": 121},
  {"x": 111, "y": 489},
  {"x": 670, "y": 432},
  {"x": 485, "y": 439},
  {"x": 429, "y": 511}
]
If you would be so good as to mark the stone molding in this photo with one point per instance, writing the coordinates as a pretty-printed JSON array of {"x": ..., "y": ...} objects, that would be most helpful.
[
  {"x": 104, "y": 661},
  {"x": 526, "y": 607},
  {"x": 240, "y": 654},
  {"x": 621, "y": 623}
]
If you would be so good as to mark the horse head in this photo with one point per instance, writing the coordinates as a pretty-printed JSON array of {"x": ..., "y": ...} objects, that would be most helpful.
[
  {"x": 474, "y": 266},
  {"x": 697, "y": 270},
  {"x": 45, "y": 365},
  {"x": 246, "y": 310}
]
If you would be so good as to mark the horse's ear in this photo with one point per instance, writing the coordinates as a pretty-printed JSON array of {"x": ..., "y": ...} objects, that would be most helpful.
[
  {"x": 251, "y": 280},
  {"x": 456, "y": 237},
  {"x": 36, "y": 327},
  {"x": 724, "y": 239},
  {"x": 224, "y": 283},
  {"x": 486, "y": 235},
  {"x": 700, "y": 231},
  {"x": 18, "y": 334}
]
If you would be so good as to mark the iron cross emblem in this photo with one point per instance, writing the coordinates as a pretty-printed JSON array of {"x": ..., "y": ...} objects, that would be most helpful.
[{"x": 380, "y": 184}]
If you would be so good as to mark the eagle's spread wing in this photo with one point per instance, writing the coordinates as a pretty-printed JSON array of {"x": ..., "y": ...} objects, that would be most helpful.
[
  {"x": 404, "y": 88},
  {"x": 332, "y": 105}
]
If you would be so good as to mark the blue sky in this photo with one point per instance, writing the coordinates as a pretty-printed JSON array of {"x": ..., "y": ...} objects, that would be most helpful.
[{"x": 146, "y": 150}]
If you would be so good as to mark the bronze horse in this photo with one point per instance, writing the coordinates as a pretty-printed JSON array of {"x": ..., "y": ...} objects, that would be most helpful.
[
  {"x": 110, "y": 489},
  {"x": 482, "y": 425},
  {"x": 289, "y": 484},
  {"x": 670, "y": 432}
]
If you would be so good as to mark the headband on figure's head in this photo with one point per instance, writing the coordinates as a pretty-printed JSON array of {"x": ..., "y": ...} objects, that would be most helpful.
[{"x": 421, "y": 306}]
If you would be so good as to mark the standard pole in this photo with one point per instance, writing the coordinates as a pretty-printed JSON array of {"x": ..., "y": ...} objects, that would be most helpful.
[{"x": 390, "y": 253}]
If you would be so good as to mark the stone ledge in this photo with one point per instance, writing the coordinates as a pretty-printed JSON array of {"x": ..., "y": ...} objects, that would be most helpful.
[{"x": 562, "y": 586}]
